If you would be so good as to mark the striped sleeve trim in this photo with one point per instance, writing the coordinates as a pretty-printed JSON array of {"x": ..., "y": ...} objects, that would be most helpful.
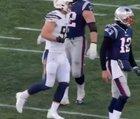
[{"x": 50, "y": 16}]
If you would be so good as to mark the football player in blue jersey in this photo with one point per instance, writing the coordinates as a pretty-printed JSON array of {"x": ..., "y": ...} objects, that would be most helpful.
[
  {"x": 81, "y": 15},
  {"x": 117, "y": 59},
  {"x": 53, "y": 32}
]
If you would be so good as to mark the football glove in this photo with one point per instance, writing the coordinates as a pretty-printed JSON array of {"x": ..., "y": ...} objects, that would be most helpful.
[
  {"x": 40, "y": 40},
  {"x": 136, "y": 69},
  {"x": 92, "y": 51},
  {"x": 60, "y": 39}
]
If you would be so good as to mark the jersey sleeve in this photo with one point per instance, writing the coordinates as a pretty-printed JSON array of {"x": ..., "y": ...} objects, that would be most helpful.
[
  {"x": 88, "y": 6},
  {"x": 52, "y": 17},
  {"x": 106, "y": 44},
  {"x": 110, "y": 32}
]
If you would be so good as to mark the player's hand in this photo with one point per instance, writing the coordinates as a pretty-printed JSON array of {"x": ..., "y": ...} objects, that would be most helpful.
[
  {"x": 40, "y": 40},
  {"x": 60, "y": 39},
  {"x": 136, "y": 69},
  {"x": 106, "y": 76},
  {"x": 92, "y": 51}
]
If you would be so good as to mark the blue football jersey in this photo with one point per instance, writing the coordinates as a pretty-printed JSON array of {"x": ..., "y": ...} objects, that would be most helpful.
[
  {"x": 77, "y": 23},
  {"x": 120, "y": 41}
]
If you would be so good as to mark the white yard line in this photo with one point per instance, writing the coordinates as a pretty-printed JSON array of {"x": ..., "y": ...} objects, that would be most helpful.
[
  {"x": 28, "y": 29},
  {"x": 12, "y": 38},
  {"x": 134, "y": 6},
  {"x": 27, "y": 50},
  {"x": 20, "y": 50},
  {"x": 105, "y": 5},
  {"x": 63, "y": 112},
  {"x": 137, "y": 60},
  {"x": 99, "y": 14}
]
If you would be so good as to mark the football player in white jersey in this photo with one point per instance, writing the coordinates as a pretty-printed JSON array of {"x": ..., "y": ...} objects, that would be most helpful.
[{"x": 57, "y": 67}]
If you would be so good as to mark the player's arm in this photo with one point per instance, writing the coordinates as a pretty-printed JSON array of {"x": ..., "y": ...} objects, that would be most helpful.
[
  {"x": 47, "y": 32},
  {"x": 131, "y": 58},
  {"x": 103, "y": 51},
  {"x": 90, "y": 20},
  {"x": 136, "y": 68},
  {"x": 91, "y": 23},
  {"x": 89, "y": 17},
  {"x": 109, "y": 36},
  {"x": 104, "y": 47}
]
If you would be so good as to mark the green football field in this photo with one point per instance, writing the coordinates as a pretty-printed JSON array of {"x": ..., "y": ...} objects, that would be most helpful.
[{"x": 20, "y": 63}]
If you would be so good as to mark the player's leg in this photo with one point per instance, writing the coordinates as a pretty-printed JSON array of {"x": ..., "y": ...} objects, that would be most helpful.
[
  {"x": 52, "y": 113},
  {"x": 121, "y": 89},
  {"x": 68, "y": 47},
  {"x": 66, "y": 66},
  {"x": 22, "y": 97},
  {"x": 65, "y": 99},
  {"x": 49, "y": 72},
  {"x": 77, "y": 67},
  {"x": 124, "y": 94},
  {"x": 115, "y": 96},
  {"x": 115, "y": 70},
  {"x": 43, "y": 85},
  {"x": 63, "y": 77}
]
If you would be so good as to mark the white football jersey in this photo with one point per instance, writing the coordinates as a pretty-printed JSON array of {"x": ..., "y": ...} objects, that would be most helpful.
[{"x": 61, "y": 29}]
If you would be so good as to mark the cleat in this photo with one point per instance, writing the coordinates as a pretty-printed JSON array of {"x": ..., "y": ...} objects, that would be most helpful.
[
  {"x": 53, "y": 115},
  {"x": 79, "y": 102},
  {"x": 20, "y": 101}
]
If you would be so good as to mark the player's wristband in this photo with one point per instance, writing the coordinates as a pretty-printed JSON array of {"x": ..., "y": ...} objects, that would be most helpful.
[
  {"x": 92, "y": 26},
  {"x": 59, "y": 39}
]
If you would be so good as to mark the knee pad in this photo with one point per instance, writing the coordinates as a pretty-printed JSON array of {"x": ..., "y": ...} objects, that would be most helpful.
[
  {"x": 60, "y": 91},
  {"x": 80, "y": 80},
  {"x": 121, "y": 101},
  {"x": 112, "y": 105}
]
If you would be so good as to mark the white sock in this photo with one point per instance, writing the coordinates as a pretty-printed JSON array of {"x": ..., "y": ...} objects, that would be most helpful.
[
  {"x": 54, "y": 106},
  {"x": 116, "y": 114},
  {"x": 110, "y": 115},
  {"x": 25, "y": 94}
]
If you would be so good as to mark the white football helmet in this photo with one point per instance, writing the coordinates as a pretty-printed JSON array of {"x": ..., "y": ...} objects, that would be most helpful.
[
  {"x": 125, "y": 15},
  {"x": 62, "y": 4}
]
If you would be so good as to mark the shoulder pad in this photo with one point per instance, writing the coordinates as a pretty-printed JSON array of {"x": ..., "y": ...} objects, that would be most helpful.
[{"x": 110, "y": 28}]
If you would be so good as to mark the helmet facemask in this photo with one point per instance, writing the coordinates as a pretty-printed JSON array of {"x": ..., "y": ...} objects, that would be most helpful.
[{"x": 129, "y": 21}]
